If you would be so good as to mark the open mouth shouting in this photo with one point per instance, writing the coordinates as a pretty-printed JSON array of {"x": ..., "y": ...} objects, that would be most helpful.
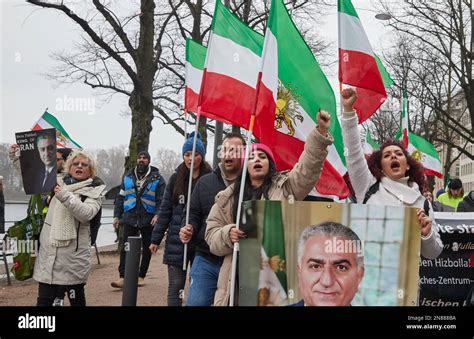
[{"x": 395, "y": 165}]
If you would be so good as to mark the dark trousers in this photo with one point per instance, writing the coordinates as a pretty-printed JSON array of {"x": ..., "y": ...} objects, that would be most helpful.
[
  {"x": 48, "y": 293},
  {"x": 145, "y": 232},
  {"x": 176, "y": 282}
]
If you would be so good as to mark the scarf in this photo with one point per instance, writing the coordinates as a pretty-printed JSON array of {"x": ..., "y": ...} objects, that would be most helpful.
[
  {"x": 141, "y": 180},
  {"x": 63, "y": 226}
]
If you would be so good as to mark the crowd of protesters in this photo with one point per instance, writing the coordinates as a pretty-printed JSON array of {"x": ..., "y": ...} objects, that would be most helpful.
[{"x": 156, "y": 210}]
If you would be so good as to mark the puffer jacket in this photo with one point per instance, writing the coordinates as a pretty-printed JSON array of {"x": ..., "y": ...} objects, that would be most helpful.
[
  {"x": 169, "y": 222},
  {"x": 69, "y": 265},
  {"x": 296, "y": 183},
  {"x": 202, "y": 200}
]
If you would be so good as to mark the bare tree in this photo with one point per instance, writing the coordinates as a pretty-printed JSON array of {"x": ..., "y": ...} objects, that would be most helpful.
[
  {"x": 428, "y": 80},
  {"x": 114, "y": 60},
  {"x": 110, "y": 165},
  {"x": 442, "y": 64},
  {"x": 167, "y": 161},
  {"x": 137, "y": 50}
]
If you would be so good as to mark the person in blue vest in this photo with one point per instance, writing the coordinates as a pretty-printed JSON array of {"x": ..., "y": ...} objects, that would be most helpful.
[{"x": 137, "y": 206}]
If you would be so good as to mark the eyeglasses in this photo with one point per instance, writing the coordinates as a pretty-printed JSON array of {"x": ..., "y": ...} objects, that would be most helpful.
[{"x": 83, "y": 164}]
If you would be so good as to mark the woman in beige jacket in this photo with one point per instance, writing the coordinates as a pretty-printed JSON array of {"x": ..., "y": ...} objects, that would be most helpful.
[
  {"x": 63, "y": 262},
  {"x": 263, "y": 182}
]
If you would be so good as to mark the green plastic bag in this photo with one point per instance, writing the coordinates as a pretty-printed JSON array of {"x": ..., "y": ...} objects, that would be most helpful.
[{"x": 24, "y": 240}]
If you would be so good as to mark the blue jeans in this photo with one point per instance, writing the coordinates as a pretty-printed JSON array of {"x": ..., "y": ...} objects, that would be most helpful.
[{"x": 203, "y": 282}]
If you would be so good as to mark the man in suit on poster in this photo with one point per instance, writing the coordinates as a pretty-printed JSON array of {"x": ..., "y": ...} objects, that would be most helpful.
[
  {"x": 46, "y": 174},
  {"x": 330, "y": 265}
]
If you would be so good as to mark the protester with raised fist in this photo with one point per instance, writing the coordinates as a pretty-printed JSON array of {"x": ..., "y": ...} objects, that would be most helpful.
[{"x": 390, "y": 176}]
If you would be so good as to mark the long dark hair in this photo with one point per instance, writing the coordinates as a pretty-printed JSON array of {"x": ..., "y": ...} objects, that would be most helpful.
[
  {"x": 251, "y": 193},
  {"x": 416, "y": 172},
  {"x": 180, "y": 188}
]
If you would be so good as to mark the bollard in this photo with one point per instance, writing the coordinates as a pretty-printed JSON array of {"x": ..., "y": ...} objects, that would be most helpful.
[{"x": 132, "y": 261}]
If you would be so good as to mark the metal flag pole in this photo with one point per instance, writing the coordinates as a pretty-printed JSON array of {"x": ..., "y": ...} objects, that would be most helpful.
[
  {"x": 190, "y": 185},
  {"x": 239, "y": 209}
]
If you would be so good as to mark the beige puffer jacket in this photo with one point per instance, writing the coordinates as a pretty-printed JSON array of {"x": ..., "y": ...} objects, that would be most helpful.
[
  {"x": 296, "y": 183},
  {"x": 69, "y": 265}
]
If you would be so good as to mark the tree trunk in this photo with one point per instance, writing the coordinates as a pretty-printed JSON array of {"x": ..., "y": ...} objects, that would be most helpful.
[
  {"x": 447, "y": 164},
  {"x": 246, "y": 14},
  {"x": 142, "y": 114},
  {"x": 141, "y": 99}
]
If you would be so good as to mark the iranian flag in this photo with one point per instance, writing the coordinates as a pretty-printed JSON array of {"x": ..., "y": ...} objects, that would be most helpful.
[
  {"x": 357, "y": 63},
  {"x": 419, "y": 148},
  {"x": 293, "y": 89},
  {"x": 369, "y": 145},
  {"x": 272, "y": 281},
  {"x": 386, "y": 78},
  {"x": 63, "y": 140},
  {"x": 195, "y": 59},
  {"x": 231, "y": 69},
  {"x": 423, "y": 151}
]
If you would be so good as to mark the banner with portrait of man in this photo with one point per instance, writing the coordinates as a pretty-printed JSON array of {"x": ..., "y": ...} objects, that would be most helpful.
[
  {"x": 38, "y": 160},
  {"x": 328, "y": 254}
]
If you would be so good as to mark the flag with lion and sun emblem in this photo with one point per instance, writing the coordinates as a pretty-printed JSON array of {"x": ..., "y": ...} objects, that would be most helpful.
[
  {"x": 293, "y": 89},
  {"x": 272, "y": 281}
]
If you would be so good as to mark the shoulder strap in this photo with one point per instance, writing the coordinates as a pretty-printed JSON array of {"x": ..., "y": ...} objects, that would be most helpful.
[{"x": 372, "y": 189}]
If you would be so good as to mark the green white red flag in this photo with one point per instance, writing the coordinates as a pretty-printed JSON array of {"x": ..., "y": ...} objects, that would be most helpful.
[
  {"x": 357, "y": 62},
  {"x": 63, "y": 140},
  {"x": 195, "y": 59},
  {"x": 231, "y": 69},
  {"x": 293, "y": 89},
  {"x": 419, "y": 148},
  {"x": 272, "y": 282},
  {"x": 369, "y": 145}
]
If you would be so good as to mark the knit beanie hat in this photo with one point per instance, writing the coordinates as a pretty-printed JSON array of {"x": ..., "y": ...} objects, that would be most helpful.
[
  {"x": 145, "y": 154},
  {"x": 188, "y": 145},
  {"x": 264, "y": 148}
]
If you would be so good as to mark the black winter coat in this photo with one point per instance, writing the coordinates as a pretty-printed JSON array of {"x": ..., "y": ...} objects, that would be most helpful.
[
  {"x": 202, "y": 200},
  {"x": 169, "y": 220},
  {"x": 467, "y": 205}
]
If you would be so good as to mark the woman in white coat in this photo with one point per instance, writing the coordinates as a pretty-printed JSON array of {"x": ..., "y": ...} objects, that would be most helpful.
[
  {"x": 63, "y": 262},
  {"x": 390, "y": 176}
]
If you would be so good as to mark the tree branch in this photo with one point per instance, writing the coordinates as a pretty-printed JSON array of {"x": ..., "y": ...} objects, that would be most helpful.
[
  {"x": 85, "y": 26},
  {"x": 117, "y": 28}
]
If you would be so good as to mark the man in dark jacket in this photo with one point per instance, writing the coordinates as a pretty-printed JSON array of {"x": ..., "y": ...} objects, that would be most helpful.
[
  {"x": 206, "y": 266},
  {"x": 137, "y": 206},
  {"x": 467, "y": 204}
]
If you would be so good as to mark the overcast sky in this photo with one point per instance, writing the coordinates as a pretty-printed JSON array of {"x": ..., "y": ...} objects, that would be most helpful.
[{"x": 29, "y": 35}]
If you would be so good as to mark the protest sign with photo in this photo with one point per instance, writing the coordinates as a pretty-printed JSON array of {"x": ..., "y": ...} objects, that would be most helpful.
[
  {"x": 38, "y": 160},
  {"x": 377, "y": 267}
]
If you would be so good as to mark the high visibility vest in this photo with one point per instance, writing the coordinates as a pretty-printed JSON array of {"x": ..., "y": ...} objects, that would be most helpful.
[{"x": 147, "y": 197}]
